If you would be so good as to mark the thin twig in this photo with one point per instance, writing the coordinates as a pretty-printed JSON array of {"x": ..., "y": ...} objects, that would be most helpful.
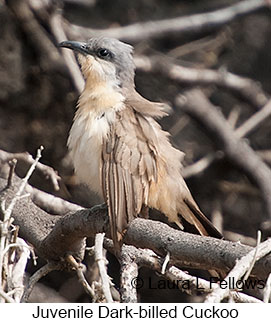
[
  {"x": 25, "y": 157},
  {"x": 52, "y": 204},
  {"x": 6, "y": 297},
  {"x": 84, "y": 282},
  {"x": 165, "y": 263},
  {"x": 17, "y": 262},
  {"x": 101, "y": 262},
  {"x": 200, "y": 165},
  {"x": 7, "y": 211},
  {"x": 43, "y": 271},
  {"x": 217, "y": 216},
  {"x": 254, "y": 121},
  {"x": 267, "y": 290},
  {"x": 12, "y": 165},
  {"x": 259, "y": 236},
  {"x": 56, "y": 23},
  {"x": 201, "y": 285},
  {"x": 249, "y": 125},
  {"x": 81, "y": 277},
  {"x": 23, "y": 184},
  {"x": 235, "y": 114},
  {"x": 16, "y": 245},
  {"x": 241, "y": 267}
]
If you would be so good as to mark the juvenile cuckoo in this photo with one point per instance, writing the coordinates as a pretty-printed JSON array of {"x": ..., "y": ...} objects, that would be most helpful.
[{"x": 118, "y": 148}]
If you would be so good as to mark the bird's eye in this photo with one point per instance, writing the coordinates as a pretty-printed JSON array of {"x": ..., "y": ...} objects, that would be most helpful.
[{"x": 103, "y": 53}]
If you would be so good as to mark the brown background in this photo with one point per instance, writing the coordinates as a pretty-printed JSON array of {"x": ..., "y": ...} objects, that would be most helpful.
[{"x": 37, "y": 103}]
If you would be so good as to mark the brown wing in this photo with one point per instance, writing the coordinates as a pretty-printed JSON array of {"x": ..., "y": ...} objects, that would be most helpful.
[{"x": 129, "y": 165}]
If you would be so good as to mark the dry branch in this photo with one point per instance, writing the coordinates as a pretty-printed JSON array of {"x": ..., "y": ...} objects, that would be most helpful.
[
  {"x": 249, "y": 125},
  {"x": 47, "y": 202},
  {"x": 147, "y": 258},
  {"x": 128, "y": 275},
  {"x": 101, "y": 262},
  {"x": 14, "y": 252},
  {"x": 54, "y": 236},
  {"x": 50, "y": 203},
  {"x": 56, "y": 24},
  {"x": 26, "y": 158},
  {"x": 254, "y": 121},
  {"x": 267, "y": 290},
  {"x": 6, "y": 297},
  {"x": 245, "y": 87},
  {"x": 238, "y": 151},
  {"x": 43, "y": 271},
  {"x": 163, "y": 28},
  {"x": 36, "y": 34},
  {"x": 79, "y": 267},
  {"x": 17, "y": 267},
  {"x": 241, "y": 267}
]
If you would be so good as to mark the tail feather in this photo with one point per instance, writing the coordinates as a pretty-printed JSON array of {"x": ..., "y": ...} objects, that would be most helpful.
[
  {"x": 204, "y": 227},
  {"x": 202, "y": 224}
]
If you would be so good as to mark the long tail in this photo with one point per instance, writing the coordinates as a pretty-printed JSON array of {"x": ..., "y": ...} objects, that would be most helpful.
[{"x": 198, "y": 222}]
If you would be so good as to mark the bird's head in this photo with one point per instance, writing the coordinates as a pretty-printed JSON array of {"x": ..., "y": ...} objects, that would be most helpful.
[{"x": 105, "y": 60}]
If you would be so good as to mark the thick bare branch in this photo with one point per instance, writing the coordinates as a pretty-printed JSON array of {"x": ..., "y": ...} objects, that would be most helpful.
[
  {"x": 50, "y": 203},
  {"x": 147, "y": 258},
  {"x": 54, "y": 236}
]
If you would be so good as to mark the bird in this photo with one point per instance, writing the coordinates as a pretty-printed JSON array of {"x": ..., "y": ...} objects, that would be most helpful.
[{"x": 119, "y": 149}]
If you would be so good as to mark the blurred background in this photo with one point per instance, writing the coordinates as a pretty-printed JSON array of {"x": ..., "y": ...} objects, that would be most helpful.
[{"x": 38, "y": 96}]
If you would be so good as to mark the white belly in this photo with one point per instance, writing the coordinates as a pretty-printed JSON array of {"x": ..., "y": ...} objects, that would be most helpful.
[{"x": 85, "y": 145}]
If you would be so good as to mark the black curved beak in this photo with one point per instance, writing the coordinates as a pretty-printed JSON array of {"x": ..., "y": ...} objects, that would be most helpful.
[{"x": 75, "y": 45}]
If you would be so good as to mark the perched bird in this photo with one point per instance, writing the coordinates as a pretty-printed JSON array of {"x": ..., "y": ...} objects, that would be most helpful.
[{"x": 118, "y": 148}]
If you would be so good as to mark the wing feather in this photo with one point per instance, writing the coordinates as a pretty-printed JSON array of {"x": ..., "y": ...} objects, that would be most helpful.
[{"x": 129, "y": 166}]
